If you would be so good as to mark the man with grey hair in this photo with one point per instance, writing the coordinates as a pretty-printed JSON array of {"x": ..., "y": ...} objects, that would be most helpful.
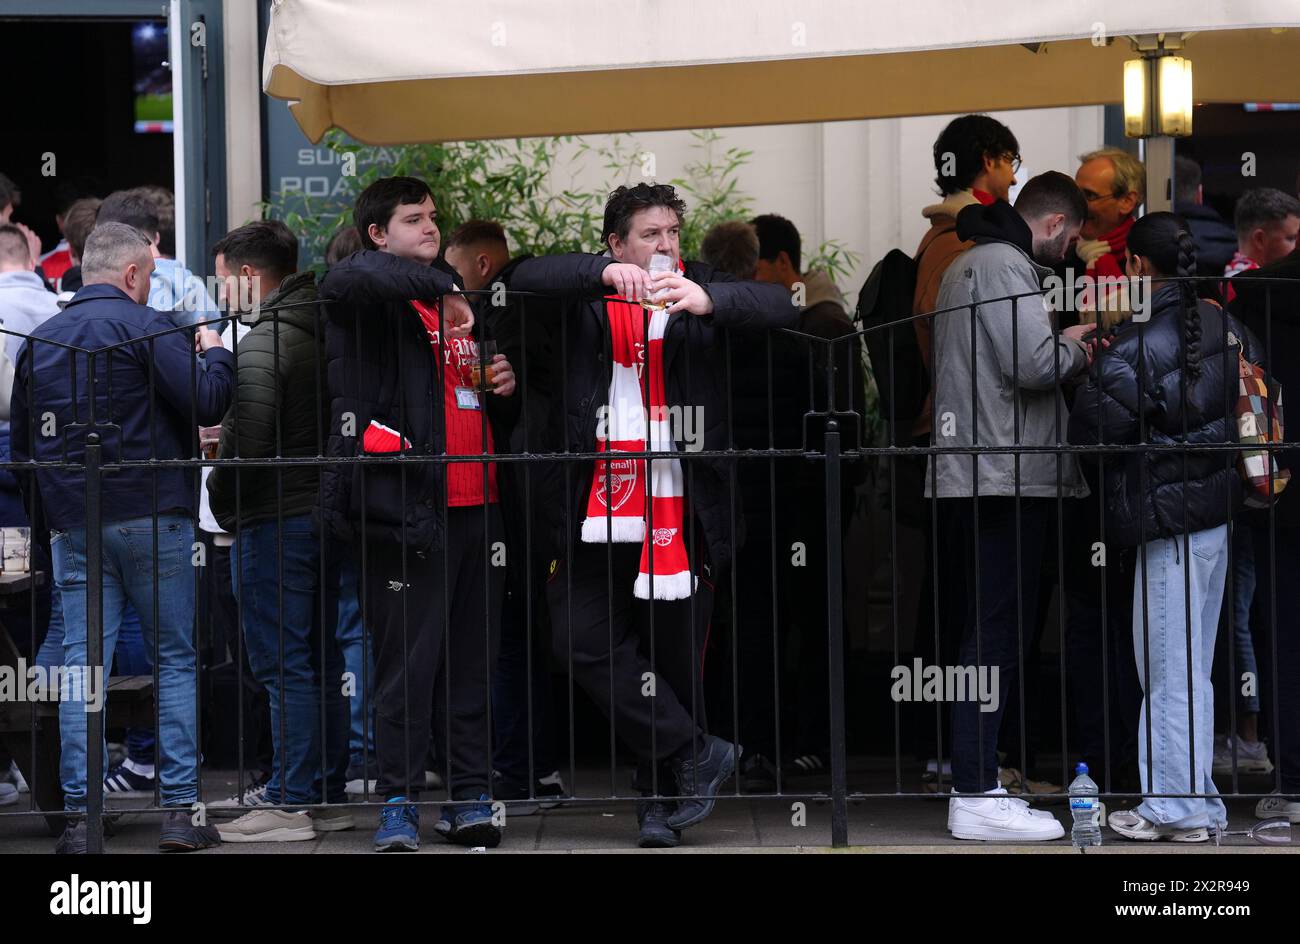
[
  {"x": 155, "y": 393},
  {"x": 732, "y": 247},
  {"x": 1113, "y": 182}
]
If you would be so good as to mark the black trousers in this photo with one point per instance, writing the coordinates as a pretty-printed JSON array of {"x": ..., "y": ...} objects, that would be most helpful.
[
  {"x": 1104, "y": 706},
  {"x": 420, "y": 663},
  {"x": 994, "y": 629},
  {"x": 602, "y": 635},
  {"x": 804, "y": 709}
]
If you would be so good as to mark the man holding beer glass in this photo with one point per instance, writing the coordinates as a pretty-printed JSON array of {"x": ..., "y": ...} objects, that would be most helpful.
[{"x": 643, "y": 361}]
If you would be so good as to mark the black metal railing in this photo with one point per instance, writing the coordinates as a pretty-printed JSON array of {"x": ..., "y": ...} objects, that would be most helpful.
[{"x": 787, "y": 456}]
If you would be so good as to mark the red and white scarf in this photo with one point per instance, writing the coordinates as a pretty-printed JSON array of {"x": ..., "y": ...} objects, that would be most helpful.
[{"x": 623, "y": 428}]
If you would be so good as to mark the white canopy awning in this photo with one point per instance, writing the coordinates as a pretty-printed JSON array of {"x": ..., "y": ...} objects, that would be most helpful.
[{"x": 389, "y": 71}]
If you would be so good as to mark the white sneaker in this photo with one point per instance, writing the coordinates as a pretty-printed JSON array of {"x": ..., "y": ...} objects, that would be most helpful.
[
  {"x": 1252, "y": 757},
  {"x": 254, "y": 795},
  {"x": 997, "y": 815},
  {"x": 1003, "y": 791},
  {"x": 360, "y": 787},
  {"x": 269, "y": 826},
  {"x": 332, "y": 819},
  {"x": 1275, "y": 806},
  {"x": 1132, "y": 825},
  {"x": 15, "y": 776}
]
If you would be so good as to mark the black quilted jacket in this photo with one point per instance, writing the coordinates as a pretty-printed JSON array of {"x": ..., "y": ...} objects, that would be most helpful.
[
  {"x": 1139, "y": 392},
  {"x": 280, "y": 409}
]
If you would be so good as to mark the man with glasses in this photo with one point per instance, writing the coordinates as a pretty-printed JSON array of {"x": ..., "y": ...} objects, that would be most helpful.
[
  {"x": 1113, "y": 183},
  {"x": 976, "y": 159}
]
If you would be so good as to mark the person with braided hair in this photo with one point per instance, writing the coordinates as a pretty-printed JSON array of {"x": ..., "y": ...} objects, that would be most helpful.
[{"x": 1168, "y": 377}]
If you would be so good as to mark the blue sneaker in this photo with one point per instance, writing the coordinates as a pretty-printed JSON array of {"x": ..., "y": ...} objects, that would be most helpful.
[
  {"x": 469, "y": 824},
  {"x": 399, "y": 827}
]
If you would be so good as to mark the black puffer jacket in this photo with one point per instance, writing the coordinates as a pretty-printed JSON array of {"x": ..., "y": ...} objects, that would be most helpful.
[
  {"x": 1139, "y": 392},
  {"x": 694, "y": 375},
  {"x": 279, "y": 410},
  {"x": 382, "y": 368}
]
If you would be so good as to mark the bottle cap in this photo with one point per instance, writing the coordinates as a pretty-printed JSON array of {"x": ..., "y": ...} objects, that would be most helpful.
[{"x": 1081, "y": 768}]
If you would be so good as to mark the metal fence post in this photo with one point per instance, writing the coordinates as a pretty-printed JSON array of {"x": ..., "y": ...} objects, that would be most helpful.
[
  {"x": 835, "y": 638},
  {"x": 94, "y": 646}
]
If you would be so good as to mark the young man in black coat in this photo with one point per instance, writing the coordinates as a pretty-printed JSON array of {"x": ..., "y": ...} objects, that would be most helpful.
[
  {"x": 401, "y": 364},
  {"x": 667, "y": 366}
]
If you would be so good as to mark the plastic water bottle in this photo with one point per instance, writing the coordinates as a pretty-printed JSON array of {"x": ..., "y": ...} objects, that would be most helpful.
[{"x": 1086, "y": 808}]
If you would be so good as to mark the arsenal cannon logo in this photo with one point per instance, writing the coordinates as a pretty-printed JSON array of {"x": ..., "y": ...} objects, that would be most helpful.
[{"x": 616, "y": 478}]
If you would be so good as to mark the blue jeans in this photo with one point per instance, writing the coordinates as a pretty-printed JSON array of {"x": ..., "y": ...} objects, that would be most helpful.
[
  {"x": 359, "y": 662},
  {"x": 1180, "y": 759},
  {"x": 1243, "y": 644},
  {"x": 131, "y": 657},
  {"x": 277, "y": 579},
  {"x": 51, "y": 651},
  {"x": 128, "y": 575}
]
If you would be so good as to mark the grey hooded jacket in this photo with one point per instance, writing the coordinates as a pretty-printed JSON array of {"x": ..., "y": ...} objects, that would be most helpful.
[{"x": 1019, "y": 364}]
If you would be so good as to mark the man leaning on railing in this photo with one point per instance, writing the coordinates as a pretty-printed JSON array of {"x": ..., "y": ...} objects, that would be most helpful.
[
  {"x": 402, "y": 379},
  {"x": 148, "y": 397},
  {"x": 670, "y": 531}
]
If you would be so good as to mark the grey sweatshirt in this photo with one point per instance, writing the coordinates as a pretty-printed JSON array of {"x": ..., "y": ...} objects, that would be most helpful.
[{"x": 1017, "y": 373}]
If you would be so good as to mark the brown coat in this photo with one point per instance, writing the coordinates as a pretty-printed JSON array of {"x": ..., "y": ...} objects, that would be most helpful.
[{"x": 938, "y": 248}]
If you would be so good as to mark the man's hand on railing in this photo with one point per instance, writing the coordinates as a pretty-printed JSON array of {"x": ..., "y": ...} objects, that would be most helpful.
[
  {"x": 457, "y": 317},
  {"x": 678, "y": 293},
  {"x": 628, "y": 281}
]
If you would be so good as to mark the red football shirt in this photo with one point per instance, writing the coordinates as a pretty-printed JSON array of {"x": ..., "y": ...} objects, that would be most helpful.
[{"x": 465, "y": 428}]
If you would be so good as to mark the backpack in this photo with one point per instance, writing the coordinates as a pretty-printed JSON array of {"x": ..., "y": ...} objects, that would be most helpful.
[
  {"x": 1258, "y": 415},
  {"x": 896, "y": 362}
]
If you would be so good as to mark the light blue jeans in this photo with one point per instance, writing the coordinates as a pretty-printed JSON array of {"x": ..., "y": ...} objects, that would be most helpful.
[
  {"x": 1181, "y": 751},
  {"x": 128, "y": 574}
]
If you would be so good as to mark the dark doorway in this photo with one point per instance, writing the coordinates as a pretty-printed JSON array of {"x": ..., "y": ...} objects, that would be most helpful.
[{"x": 77, "y": 103}]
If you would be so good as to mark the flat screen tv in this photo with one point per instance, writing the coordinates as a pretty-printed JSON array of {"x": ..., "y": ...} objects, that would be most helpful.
[{"x": 152, "y": 76}]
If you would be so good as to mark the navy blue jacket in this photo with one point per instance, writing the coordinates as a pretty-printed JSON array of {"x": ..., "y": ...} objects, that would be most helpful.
[{"x": 149, "y": 400}]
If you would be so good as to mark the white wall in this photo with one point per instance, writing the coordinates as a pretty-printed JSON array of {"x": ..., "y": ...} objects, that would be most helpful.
[
  {"x": 243, "y": 114},
  {"x": 862, "y": 182}
]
